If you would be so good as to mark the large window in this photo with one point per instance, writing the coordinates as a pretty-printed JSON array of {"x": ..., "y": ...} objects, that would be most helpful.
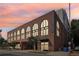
[
  {"x": 9, "y": 37},
  {"x": 11, "y": 34},
  {"x": 28, "y": 32},
  {"x": 44, "y": 27},
  {"x": 35, "y": 30},
  {"x": 23, "y": 33},
  {"x": 18, "y": 35},
  {"x": 44, "y": 46},
  {"x": 57, "y": 30},
  {"x": 14, "y": 35}
]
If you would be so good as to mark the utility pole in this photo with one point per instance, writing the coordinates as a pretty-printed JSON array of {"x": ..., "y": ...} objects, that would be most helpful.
[
  {"x": 0, "y": 33},
  {"x": 70, "y": 13},
  {"x": 71, "y": 44}
]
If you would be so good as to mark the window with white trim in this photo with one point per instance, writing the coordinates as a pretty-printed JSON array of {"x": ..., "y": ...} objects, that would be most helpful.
[
  {"x": 57, "y": 28},
  {"x": 28, "y": 32},
  {"x": 23, "y": 33},
  {"x": 35, "y": 30},
  {"x": 14, "y": 35},
  {"x": 44, "y": 27},
  {"x": 18, "y": 35}
]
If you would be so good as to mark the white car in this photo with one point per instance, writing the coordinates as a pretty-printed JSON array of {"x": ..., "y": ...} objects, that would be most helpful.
[{"x": 76, "y": 48}]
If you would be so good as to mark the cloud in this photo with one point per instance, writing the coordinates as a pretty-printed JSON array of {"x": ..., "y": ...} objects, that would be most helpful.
[
  {"x": 4, "y": 35},
  {"x": 5, "y": 30},
  {"x": 19, "y": 13},
  {"x": 13, "y": 14},
  {"x": 14, "y": 21}
]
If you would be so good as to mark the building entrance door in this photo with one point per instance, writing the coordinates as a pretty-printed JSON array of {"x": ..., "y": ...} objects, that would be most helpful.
[{"x": 44, "y": 46}]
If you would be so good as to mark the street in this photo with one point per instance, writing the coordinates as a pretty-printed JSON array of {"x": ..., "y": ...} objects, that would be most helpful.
[{"x": 30, "y": 53}]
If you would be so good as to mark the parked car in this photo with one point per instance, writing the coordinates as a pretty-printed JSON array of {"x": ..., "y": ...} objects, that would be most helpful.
[
  {"x": 76, "y": 48},
  {"x": 74, "y": 52}
]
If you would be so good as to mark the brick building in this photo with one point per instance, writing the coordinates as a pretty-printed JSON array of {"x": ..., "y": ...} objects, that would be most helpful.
[{"x": 51, "y": 31}]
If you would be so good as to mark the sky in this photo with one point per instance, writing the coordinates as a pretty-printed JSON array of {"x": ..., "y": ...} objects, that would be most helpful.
[{"x": 13, "y": 15}]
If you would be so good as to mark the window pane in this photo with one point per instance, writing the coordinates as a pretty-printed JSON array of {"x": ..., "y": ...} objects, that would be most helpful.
[
  {"x": 46, "y": 31},
  {"x": 46, "y": 23},
  {"x": 57, "y": 32},
  {"x": 28, "y": 32},
  {"x": 57, "y": 24},
  {"x": 22, "y": 31},
  {"x": 11, "y": 34},
  {"x": 8, "y": 35},
  {"x": 18, "y": 32},
  {"x": 14, "y": 38},
  {"x": 28, "y": 29},
  {"x": 42, "y": 24},
  {"x": 41, "y": 32},
  {"x": 22, "y": 36},
  {"x": 35, "y": 29},
  {"x": 14, "y": 33},
  {"x": 18, "y": 37},
  {"x": 44, "y": 27},
  {"x": 46, "y": 46}
]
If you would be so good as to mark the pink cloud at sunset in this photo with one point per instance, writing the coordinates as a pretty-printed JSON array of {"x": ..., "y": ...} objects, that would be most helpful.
[
  {"x": 16, "y": 14},
  {"x": 10, "y": 13}
]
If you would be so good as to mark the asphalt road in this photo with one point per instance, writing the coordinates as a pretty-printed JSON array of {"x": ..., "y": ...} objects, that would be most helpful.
[
  {"x": 30, "y": 53},
  {"x": 19, "y": 53}
]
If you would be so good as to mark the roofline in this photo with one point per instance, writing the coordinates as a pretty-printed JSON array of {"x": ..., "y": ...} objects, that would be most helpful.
[
  {"x": 35, "y": 19},
  {"x": 32, "y": 20}
]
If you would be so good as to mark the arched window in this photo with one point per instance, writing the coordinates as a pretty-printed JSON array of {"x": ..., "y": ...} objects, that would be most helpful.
[
  {"x": 18, "y": 32},
  {"x": 35, "y": 30},
  {"x": 14, "y": 35},
  {"x": 28, "y": 32},
  {"x": 57, "y": 30},
  {"x": 44, "y": 27},
  {"x": 8, "y": 35},
  {"x": 22, "y": 33},
  {"x": 18, "y": 35},
  {"x": 57, "y": 24},
  {"x": 11, "y": 34}
]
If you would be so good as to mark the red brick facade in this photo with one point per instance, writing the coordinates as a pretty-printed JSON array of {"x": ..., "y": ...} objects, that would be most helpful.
[{"x": 54, "y": 42}]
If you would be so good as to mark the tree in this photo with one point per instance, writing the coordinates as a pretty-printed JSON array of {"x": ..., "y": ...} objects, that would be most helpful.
[
  {"x": 32, "y": 43},
  {"x": 13, "y": 44},
  {"x": 3, "y": 42},
  {"x": 75, "y": 31}
]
